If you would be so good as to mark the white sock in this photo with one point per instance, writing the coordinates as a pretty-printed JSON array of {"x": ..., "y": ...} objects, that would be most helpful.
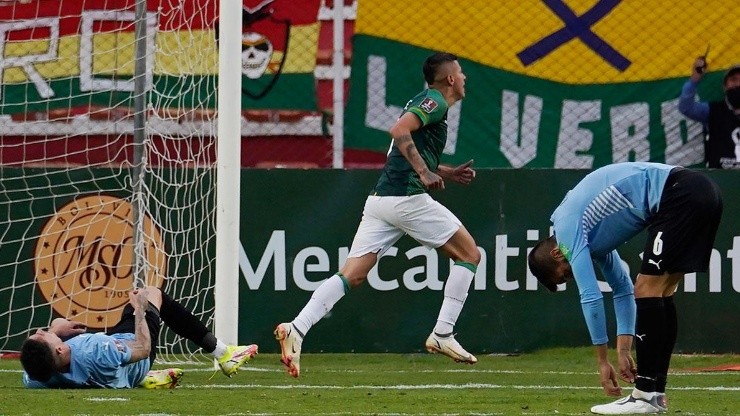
[
  {"x": 220, "y": 349},
  {"x": 321, "y": 302},
  {"x": 456, "y": 290},
  {"x": 645, "y": 395}
]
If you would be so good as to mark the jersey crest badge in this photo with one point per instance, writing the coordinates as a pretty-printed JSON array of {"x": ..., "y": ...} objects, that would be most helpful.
[
  {"x": 565, "y": 250},
  {"x": 428, "y": 105}
]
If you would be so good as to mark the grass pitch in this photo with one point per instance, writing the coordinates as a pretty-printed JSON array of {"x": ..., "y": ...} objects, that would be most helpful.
[{"x": 557, "y": 381}]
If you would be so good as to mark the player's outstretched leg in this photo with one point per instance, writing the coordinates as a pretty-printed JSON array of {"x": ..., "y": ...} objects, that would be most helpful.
[
  {"x": 290, "y": 347},
  {"x": 447, "y": 345},
  {"x": 235, "y": 356}
]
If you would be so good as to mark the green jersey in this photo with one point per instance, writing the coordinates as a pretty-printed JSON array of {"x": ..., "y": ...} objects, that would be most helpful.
[{"x": 398, "y": 177}]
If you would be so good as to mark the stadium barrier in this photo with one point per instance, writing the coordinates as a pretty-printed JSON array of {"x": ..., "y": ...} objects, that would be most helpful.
[{"x": 296, "y": 228}]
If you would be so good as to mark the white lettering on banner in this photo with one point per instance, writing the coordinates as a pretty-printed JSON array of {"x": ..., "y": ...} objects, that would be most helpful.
[
  {"x": 681, "y": 151},
  {"x": 531, "y": 281},
  {"x": 26, "y": 62},
  {"x": 734, "y": 255},
  {"x": 379, "y": 115},
  {"x": 572, "y": 139},
  {"x": 274, "y": 253},
  {"x": 87, "y": 21},
  {"x": 426, "y": 276},
  {"x": 428, "y": 273},
  {"x": 519, "y": 132},
  {"x": 519, "y": 138},
  {"x": 715, "y": 272},
  {"x": 86, "y": 57},
  {"x": 630, "y": 129},
  {"x": 689, "y": 282},
  {"x": 503, "y": 252},
  {"x": 301, "y": 266},
  {"x": 373, "y": 278},
  {"x": 382, "y": 116}
]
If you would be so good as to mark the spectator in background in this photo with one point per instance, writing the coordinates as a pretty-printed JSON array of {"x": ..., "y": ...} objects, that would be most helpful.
[
  {"x": 721, "y": 119},
  {"x": 65, "y": 356}
]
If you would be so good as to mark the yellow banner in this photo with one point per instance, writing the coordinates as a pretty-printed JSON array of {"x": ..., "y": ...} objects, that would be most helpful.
[
  {"x": 570, "y": 41},
  {"x": 177, "y": 53}
]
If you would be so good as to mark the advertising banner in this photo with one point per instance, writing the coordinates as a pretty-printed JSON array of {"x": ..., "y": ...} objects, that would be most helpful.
[
  {"x": 293, "y": 237},
  {"x": 66, "y": 54}
]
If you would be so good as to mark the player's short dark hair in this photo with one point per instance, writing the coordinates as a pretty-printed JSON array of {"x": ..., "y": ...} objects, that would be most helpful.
[
  {"x": 433, "y": 63},
  {"x": 542, "y": 265},
  {"x": 37, "y": 359}
]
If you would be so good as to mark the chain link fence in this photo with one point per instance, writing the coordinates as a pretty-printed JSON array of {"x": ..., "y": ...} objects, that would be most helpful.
[
  {"x": 551, "y": 83},
  {"x": 563, "y": 84}
]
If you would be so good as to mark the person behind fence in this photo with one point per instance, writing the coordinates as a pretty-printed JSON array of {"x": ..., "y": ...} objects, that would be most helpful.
[
  {"x": 721, "y": 119},
  {"x": 400, "y": 204},
  {"x": 681, "y": 210},
  {"x": 66, "y": 356}
]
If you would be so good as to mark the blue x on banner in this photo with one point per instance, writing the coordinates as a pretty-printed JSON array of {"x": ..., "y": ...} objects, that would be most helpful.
[{"x": 576, "y": 27}]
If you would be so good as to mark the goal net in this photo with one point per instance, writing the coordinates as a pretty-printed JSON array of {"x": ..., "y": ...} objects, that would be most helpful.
[{"x": 87, "y": 187}]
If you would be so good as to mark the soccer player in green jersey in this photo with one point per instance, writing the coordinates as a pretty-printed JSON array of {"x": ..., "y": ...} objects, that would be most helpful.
[{"x": 400, "y": 204}]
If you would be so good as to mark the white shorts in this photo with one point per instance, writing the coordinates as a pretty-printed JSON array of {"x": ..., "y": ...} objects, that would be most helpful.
[{"x": 385, "y": 219}]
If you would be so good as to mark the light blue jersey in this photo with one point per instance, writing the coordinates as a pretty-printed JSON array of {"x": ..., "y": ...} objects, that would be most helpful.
[
  {"x": 608, "y": 207},
  {"x": 98, "y": 360}
]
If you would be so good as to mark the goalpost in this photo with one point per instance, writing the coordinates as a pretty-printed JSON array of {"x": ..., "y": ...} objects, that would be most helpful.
[
  {"x": 229, "y": 167},
  {"x": 111, "y": 173}
]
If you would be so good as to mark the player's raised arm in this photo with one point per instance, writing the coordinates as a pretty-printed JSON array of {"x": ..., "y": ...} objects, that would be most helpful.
[
  {"x": 401, "y": 134},
  {"x": 65, "y": 329},
  {"x": 141, "y": 345}
]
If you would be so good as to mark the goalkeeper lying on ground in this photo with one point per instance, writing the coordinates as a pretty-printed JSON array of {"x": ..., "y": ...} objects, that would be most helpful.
[{"x": 66, "y": 356}]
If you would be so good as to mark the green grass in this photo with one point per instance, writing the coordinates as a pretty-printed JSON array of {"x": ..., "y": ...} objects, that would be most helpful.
[{"x": 557, "y": 381}]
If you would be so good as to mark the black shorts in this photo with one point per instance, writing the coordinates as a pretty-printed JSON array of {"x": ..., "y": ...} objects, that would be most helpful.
[
  {"x": 681, "y": 234},
  {"x": 127, "y": 325}
]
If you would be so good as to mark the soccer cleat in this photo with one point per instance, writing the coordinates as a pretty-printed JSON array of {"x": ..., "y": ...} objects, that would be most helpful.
[
  {"x": 449, "y": 347},
  {"x": 162, "y": 379},
  {"x": 629, "y": 405},
  {"x": 235, "y": 356},
  {"x": 290, "y": 347},
  {"x": 661, "y": 402}
]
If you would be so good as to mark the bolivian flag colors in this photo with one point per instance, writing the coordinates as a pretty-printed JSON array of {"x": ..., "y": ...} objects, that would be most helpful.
[{"x": 69, "y": 53}]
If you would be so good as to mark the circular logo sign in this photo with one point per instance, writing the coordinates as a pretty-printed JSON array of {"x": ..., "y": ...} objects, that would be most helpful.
[{"x": 84, "y": 264}]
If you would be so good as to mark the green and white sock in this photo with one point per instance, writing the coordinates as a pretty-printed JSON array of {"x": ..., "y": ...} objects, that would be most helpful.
[
  {"x": 456, "y": 291},
  {"x": 321, "y": 302}
]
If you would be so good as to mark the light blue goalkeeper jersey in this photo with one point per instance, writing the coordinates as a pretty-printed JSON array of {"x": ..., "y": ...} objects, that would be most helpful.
[
  {"x": 608, "y": 207},
  {"x": 98, "y": 360}
]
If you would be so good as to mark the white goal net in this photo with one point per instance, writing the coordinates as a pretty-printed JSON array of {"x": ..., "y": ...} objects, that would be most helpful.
[{"x": 83, "y": 184}]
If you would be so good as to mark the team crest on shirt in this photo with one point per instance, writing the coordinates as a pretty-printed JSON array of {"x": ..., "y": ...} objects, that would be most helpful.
[
  {"x": 565, "y": 250},
  {"x": 428, "y": 105}
]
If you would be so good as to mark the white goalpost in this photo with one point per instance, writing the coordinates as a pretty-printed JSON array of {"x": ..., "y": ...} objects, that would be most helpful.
[{"x": 228, "y": 173}]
